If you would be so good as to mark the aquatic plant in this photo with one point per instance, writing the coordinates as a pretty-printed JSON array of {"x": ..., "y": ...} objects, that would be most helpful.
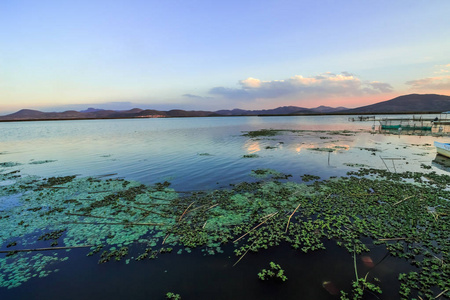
[
  {"x": 408, "y": 213},
  {"x": 262, "y": 132},
  {"x": 173, "y": 296},
  {"x": 275, "y": 271},
  {"x": 250, "y": 155}
]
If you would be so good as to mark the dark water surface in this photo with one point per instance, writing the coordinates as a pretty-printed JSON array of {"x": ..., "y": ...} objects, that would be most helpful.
[{"x": 207, "y": 153}]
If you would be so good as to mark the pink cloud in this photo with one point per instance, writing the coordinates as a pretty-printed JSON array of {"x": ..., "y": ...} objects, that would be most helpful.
[{"x": 431, "y": 83}]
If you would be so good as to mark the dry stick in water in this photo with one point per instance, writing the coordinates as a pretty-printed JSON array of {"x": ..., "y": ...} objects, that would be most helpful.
[
  {"x": 402, "y": 200},
  {"x": 165, "y": 239},
  {"x": 289, "y": 220},
  {"x": 442, "y": 293},
  {"x": 47, "y": 249},
  {"x": 88, "y": 216},
  {"x": 244, "y": 253},
  {"x": 393, "y": 239},
  {"x": 185, "y": 211},
  {"x": 150, "y": 211},
  {"x": 272, "y": 215},
  {"x": 121, "y": 223}
]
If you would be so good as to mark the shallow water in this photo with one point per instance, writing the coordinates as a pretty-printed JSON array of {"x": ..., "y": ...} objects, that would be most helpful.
[
  {"x": 207, "y": 153},
  {"x": 155, "y": 150}
]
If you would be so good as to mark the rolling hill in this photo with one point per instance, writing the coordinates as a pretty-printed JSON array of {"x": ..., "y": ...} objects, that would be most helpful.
[{"x": 413, "y": 103}]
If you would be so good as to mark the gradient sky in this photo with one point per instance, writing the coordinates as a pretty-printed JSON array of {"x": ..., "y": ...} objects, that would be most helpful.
[{"x": 58, "y": 55}]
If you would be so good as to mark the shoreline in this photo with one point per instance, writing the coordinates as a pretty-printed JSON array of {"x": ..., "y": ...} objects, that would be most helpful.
[{"x": 216, "y": 116}]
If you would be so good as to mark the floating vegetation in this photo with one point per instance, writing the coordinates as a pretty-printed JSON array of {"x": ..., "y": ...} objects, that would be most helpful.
[
  {"x": 262, "y": 132},
  {"x": 264, "y": 173},
  {"x": 173, "y": 296},
  {"x": 369, "y": 149},
  {"x": 9, "y": 164},
  {"x": 275, "y": 271},
  {"x": 40, "y": 162},
  {"x": 355, "y": 165},
  {"x": 307, "y": 178},
  {"x": 408, "y": 213},
  {"x": 342, "y": 132},
  {"x": 253, "y": 155},
  {"x": 424, "y": 166},
  {"x": 204, "y": 154},
  {"x": 322, "y": 149}
]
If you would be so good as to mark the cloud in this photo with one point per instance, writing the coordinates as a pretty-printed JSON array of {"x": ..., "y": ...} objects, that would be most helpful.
[
  {"x": 192, "y": 96},
  {"x": 443, "y": 69},
  {"x": 380, "y": 86},
  {"x": 431, "y": 83},
  {"x": 323, "y": 85}
]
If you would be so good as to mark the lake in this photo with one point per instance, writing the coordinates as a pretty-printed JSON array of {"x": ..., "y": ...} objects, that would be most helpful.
[
  {"x": 204, "y": 154},
  {"x": 153, "y": 150}
]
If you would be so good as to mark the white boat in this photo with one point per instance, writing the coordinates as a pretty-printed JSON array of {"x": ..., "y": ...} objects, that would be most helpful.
[{"x": 442, "y": 148}]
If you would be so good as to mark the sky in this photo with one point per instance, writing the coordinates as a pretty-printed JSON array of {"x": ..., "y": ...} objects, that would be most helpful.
[{"x": 211, "y": 55}]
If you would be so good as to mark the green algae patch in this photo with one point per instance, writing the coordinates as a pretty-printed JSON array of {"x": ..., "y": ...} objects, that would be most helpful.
[{"x": 407, "y": 213}]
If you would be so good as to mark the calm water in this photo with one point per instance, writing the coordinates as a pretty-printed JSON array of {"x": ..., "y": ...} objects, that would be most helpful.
[{"x": 155, "y": 150}]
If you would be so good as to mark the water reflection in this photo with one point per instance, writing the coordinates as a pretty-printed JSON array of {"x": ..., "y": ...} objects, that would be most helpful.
[{"x": 252, "y": 146}]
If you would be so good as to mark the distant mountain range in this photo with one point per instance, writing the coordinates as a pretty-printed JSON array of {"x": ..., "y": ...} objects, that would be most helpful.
[
  {"x": 284, "y": 110},
  {"x": 413, "y": 103}
]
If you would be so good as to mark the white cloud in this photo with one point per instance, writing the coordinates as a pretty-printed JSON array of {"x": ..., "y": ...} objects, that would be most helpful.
[
  {"x": 443, "y": 69},
  {"x": 323, "y": 85}
]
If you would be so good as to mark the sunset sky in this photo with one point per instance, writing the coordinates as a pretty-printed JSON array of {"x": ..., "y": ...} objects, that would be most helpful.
[{"x": 210, "y": 55}]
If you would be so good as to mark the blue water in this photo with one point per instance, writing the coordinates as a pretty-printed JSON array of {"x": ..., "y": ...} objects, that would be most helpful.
[{"x": 155, "y": 150}]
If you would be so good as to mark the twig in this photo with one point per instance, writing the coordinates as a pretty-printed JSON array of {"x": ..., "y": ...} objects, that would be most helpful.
[
  {"x": 212, "y": 206},
  {"x": 244, "y": 253},
  {"x": 354, "y": 263},
  {"x": 393, "y": 239},
  {"x": 274, "y": 214},
  {"x": 402, "y": 200},
  {"x": 150, "y": 211},
  {"x": 185, "y": 211},
  {"x": 289, "y": 220},
  {"x": 165, "y": 239},
  {"x": 90, "y": 216},
  {"x": 198, "y": 207},
  {"x": 121, "y": 223},
  {"x": 46, "y": 249},
  {"x": 441, "y": 294}
]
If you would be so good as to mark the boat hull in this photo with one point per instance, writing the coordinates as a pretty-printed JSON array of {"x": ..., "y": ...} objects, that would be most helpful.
[{"x": 442, "y": 149}]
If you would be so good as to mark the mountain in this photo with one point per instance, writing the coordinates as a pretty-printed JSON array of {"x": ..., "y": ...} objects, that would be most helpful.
[
  {"x": 28, "y": 114},
  {"x": 328, "y": 109},
  {"x": 413, "y": 103},
  {"x": 91, "y": 109},
  {"x": 284, "y": 110}
]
